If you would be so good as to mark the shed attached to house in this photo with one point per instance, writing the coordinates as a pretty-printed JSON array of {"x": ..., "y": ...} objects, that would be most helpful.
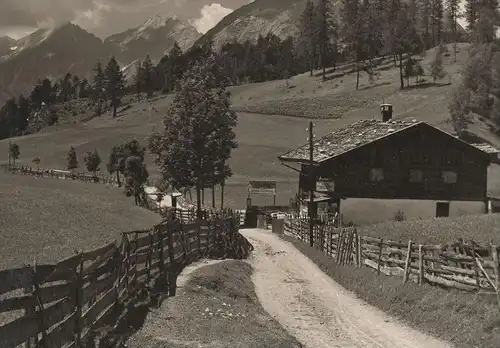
[{"x": 376, "y": 169}]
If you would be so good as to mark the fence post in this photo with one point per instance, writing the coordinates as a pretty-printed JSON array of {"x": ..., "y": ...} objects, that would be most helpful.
[
  {"x": 150, "y": 259},
  {"x": 198, "y": 235},
  {"x": 420, "y": 265},
  {"x": 28, "y": 290},
  {"x": 496, "y": 266},
  {"x": 408, "y": 262},
  {"x": 160, "y": 245},
  {"x": 35, "y": 286},
  {"x": 231, "y": 229},
  {"x": 379, "y": 262},
  {"x": 171, "y": 255},
  {"x": 358, "y": 249},
  {"x": 340, "y": 245},
  {"x": 79, "y": 304}
]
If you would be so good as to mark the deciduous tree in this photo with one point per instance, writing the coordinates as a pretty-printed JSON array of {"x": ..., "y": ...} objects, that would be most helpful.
[
  {"x": 92, "y": 161},
  {"x": 437, "y": 70},
  {"x": 195, "y": 129},
  {"x": 459, "y": 109},
  {"x": 14, "y": 152},
  {"x": 136, "y": 175}
]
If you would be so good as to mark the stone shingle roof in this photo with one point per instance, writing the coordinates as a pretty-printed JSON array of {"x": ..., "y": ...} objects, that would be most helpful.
[
  {"x": 486, "y": 148},
  {"x": 348, "y": 138}
]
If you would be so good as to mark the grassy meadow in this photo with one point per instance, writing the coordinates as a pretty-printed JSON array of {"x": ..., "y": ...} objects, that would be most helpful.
[{"x": 46, "y": 220}]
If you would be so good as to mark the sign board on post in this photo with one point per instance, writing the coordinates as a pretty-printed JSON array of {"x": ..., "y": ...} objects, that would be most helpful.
[
  {"x": 323, "y": 185},
  {"x": 262, "y": 187}
]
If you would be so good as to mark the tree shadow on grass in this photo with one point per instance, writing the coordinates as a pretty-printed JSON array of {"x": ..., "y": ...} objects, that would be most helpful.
[
  {"x": 375, "y": 85},
  {"x": 426, "y": 85}
]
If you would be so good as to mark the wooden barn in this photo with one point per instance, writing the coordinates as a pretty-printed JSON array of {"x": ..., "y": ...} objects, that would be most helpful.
[{"x": 378, "y": 170}]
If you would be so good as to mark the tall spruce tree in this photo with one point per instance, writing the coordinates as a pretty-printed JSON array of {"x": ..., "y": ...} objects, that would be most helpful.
[
  {"x": 308, "y": 35},
  {"x": 147, "y": 76},
  {"x": 99, "y": 88},
  {"x": 453, "y": 14},
  {"x": 115, "y": 83}
]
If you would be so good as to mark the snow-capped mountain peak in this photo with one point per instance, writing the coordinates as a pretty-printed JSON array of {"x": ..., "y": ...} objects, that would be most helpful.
[{"x": 155, "y": 22}]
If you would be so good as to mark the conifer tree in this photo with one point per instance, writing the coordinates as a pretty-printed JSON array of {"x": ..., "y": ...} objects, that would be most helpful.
[
  {"x": 115, "y": 83},
  {"x": 308, "y": 35},
  {"x": 99, "y": 87},
  {"x": 72, "y": 161},
  {"x": 453, "y": 13},
  {"x": 138, "y": 80},
  {"x": 147, "y": 76}
]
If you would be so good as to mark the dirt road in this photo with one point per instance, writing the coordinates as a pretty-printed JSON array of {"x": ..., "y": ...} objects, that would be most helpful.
[{"x": 315, "y": 309}]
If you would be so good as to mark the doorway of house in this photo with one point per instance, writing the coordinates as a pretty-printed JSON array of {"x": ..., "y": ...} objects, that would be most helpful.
[{"x": 442, "y": 209}]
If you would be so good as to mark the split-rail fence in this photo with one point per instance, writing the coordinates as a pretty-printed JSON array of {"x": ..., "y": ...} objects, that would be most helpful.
[
  {"x": 468, "y": 267},
  {"x": 63, "y": 304}
]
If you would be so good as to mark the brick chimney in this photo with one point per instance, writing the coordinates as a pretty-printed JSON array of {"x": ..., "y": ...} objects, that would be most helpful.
[{"x": 386, "y": 110}]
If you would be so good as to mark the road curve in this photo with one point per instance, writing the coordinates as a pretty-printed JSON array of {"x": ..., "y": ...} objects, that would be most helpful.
[{"x": 315, "y": 309}]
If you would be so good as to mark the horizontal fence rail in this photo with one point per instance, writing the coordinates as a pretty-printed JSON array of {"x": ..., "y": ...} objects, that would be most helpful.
[
  {"x": 51, "y": 173},
  {"x": 466, "y": 267},
  {"x": 61, "y": 305}
]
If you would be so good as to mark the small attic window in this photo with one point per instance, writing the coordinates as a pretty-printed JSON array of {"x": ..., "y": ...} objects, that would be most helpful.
[
  {"x": 450, "y": 177},
  {"x": 376, "y": 174},
  {"x": 416, "y": 175}
]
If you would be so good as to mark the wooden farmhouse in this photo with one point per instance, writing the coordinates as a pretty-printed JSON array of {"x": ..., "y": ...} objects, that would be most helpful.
[{"x": 373, "y": 170}]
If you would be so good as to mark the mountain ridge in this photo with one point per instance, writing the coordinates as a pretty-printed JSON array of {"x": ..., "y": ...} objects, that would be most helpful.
[{"x": 144, "y": 39}]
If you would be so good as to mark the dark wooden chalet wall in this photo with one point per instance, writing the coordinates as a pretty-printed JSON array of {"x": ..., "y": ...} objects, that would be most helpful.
[{"x": 418, "y": 148}]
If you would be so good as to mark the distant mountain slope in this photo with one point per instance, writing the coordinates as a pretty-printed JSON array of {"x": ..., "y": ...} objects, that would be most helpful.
[
  {"x": 280, "y": 17},
  {"x": 5, "y": 45},
  {"x": 154, "y": 37},
  {"x": 49, "y": 53}
]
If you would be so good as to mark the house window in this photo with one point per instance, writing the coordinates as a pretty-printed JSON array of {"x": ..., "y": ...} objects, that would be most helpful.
[
  {"x": 416, "y": 175},
  {"x": 376, "y": 174},
  {"x": 449, "y": 177}
]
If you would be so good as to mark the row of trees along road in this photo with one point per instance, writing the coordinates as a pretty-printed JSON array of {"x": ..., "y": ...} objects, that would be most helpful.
[
  {"x": 126, "y": 159},
  {"x": 194, "y": 146},
  {"x": 479, "y": 89}
]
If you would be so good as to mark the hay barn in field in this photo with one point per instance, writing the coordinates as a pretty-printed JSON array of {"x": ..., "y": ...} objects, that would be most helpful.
[{"x": 373, "y": 170}]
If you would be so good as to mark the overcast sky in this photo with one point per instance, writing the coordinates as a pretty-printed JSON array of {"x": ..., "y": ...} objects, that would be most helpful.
[{"x": 106, "y": 17}]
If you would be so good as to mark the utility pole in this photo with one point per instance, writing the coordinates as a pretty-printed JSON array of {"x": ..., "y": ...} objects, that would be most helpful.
[
  {"x": 8, "y": 151},
  {"x": 311, "y": 184}
]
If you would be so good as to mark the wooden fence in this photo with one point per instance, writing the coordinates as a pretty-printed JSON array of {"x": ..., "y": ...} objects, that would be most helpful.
[
  {"x": 467, "y": 267},
  {"x": 51, "y": 173},
  {"x": 62, "y": 305}
]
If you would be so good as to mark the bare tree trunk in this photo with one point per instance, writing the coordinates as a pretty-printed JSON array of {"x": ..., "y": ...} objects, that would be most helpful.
[
  {"x": 213, "y": 196},
  {"x": 357, "y": 76},
  {"x": 118, "y": 178},
  {"x": 198, "y": 201},
  {"x": 401, "y": 71},
  {"x": 222, "y": 195},
  {"x": 203, "y": 195}
]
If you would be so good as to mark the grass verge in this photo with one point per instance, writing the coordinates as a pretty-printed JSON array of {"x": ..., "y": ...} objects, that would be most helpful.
[
  {"x": 481, "y": 228},
  {"x": 216, "y": 308},
  {"x": 464, "y": 319}
]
